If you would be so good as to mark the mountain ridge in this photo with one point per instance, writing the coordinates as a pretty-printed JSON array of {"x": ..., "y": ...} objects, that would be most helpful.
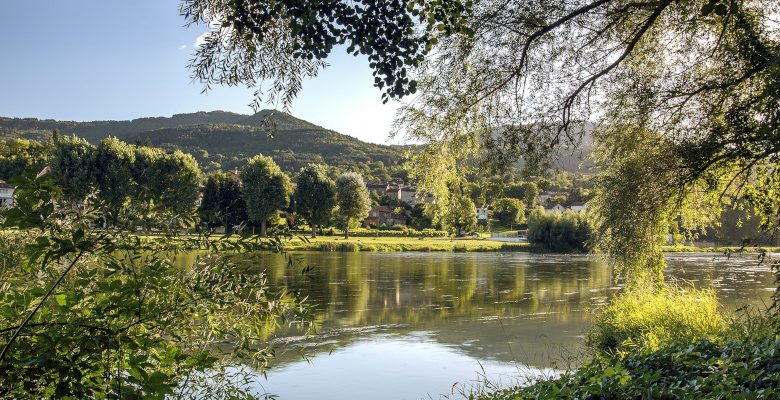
[{"x": 224, "y": 140}]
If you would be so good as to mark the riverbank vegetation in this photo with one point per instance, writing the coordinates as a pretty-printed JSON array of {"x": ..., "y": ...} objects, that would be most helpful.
[
  {"x": 90, "y": 312},
  {"x": 738, "y": 363}
]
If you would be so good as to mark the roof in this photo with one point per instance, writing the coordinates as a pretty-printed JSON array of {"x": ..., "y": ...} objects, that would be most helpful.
[
  {"x": 5, "y": 185},
  {"x": 578, "y": 204}
]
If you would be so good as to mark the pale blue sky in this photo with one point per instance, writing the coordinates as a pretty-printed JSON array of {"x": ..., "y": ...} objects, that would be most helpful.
[{"x": 88, "y": 60}]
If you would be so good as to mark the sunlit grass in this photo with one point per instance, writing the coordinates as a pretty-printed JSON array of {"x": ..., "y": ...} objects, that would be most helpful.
[{"x": 646, "y": 320}]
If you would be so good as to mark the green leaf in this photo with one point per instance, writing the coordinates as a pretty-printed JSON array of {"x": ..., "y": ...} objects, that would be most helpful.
[{"x": 61, "y": 299}]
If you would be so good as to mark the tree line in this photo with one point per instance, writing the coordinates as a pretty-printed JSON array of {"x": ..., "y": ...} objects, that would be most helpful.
[{"x": 146, "y": 185}]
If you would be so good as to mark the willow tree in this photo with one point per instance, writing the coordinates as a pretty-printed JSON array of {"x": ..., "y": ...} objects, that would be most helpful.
[{"x": 503, "y": 80}]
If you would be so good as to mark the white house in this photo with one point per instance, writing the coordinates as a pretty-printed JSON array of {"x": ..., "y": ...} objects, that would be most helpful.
[
  {"x": 482, "y": 213},
  {"x": 6, "y": 194},
  {"x": 556, "y": 208},
  {"x": 579, "y": 206},
  {"x": 409, "y": 195}
]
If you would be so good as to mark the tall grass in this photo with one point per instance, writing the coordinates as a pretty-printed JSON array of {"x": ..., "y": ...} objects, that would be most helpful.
[{"x": 646, "y": 320}]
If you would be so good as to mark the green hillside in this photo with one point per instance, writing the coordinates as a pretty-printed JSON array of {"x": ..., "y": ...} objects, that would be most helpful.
[{"x": 224, "y": 140}]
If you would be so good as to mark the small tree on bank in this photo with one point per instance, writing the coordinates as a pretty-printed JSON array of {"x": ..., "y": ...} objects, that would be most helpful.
[
  {"x": 266, "y": 189},
  {"x": 462, "y": 216},
  {"x": 315, "y": 196},
  {"x": 352, "y": 199}
]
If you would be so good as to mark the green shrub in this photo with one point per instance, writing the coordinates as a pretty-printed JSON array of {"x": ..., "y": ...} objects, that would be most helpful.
[
  {"x": 348, "y": 247},
  {"x": 743, "y": 363},
  {"x": 567, "y": 231},
  {"x": 646, "y": 320}
]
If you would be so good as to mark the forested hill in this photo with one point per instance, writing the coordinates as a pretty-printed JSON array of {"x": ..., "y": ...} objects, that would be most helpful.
[{"x": 225, "y": 140}]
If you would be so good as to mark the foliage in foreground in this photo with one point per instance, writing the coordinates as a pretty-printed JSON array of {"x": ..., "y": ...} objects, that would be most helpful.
[
  {"x": 100, "y": 313},
  {"x": 743, "y": 364},
  {"x": 645, "y": 320}
]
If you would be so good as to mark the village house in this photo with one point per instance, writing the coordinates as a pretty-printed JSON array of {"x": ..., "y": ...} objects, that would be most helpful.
[
  {"x": 483, "y": 212},
  {"x": 393, "y": 191},
  {"x": 6, "y": 194},
  {"x": 377, "y": 188},
  {"x": 383, "y": 216},
  {"x": 579, "y": 206},
  {"x": 409, "y": 195}
]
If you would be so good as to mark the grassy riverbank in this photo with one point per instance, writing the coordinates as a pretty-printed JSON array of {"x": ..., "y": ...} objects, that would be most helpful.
[
  {"x": 720, "y": 249},
  {"x": 335, "y": 243},
  {"x": 668, "y": 345}
]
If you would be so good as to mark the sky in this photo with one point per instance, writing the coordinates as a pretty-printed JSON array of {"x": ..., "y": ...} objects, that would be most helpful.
[{"x": 85, "y": 60}]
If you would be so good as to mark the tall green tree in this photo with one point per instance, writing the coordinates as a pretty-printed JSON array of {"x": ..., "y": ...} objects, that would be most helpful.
[
  {"x": 222, "y": 202},
  {"x": 462, "y": 214},
  {"x": 266, "y": 189},
  {"x": 509, "y": 212},
  {"x": 144, "y": 172},
  {"x": 73, "y": 167},
  {"x": 209, "y": 209},
  {"x": 525, "y": 191},
  {"x": 567, "y": 231},
  {"x": 174, "y": 182},
  {"x": 231, "y": 202},
  {"x": 315, "y": 196},
  {"x": 352, "y": 199},
  {"x": 114, "y": 164}
]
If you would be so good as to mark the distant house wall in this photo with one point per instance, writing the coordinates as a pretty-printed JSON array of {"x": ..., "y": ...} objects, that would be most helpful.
[
  {"x": 6, "y": 194},
  {"x": 409, "y": 196},
  {"x": 556, "y": 208},
  {"x": 383, "y": 216}
]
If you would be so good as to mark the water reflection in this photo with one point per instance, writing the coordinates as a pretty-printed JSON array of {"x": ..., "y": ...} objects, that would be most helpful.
[{"x": 383, "y": 314}]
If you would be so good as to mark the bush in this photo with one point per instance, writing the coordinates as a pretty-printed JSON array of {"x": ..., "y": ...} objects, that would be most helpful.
[
  {"x": 646, "y": 320},
  {"x": 567, "y": 231},
  {"x": 743, "y": 363}
]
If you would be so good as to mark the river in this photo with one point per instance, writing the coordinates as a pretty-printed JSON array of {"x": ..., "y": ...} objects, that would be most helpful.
[{"x": 431, "y": 325}]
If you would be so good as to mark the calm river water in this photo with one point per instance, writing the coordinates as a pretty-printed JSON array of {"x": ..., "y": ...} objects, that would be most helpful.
[{"x": 422, "y": 325}]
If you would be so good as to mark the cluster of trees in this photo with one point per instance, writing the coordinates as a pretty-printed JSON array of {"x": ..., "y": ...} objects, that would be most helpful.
[
  {"x": 132, "y": 180},
  {"x": 261, "y": 191}
]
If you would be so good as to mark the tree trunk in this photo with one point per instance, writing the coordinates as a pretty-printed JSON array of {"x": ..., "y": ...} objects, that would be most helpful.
[
  {"x": 263, "y": 230},
  {"x": 346, "y": 229},
  {"x": 313, "y": 231}
]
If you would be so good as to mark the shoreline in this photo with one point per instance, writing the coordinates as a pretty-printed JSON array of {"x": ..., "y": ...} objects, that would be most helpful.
[{"x": 444, "y": 244}]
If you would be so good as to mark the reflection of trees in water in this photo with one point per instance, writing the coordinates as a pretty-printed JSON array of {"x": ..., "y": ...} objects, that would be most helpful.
[
  {"x": 516, "y": 307},
  {"x": 361, "y": 289}
]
